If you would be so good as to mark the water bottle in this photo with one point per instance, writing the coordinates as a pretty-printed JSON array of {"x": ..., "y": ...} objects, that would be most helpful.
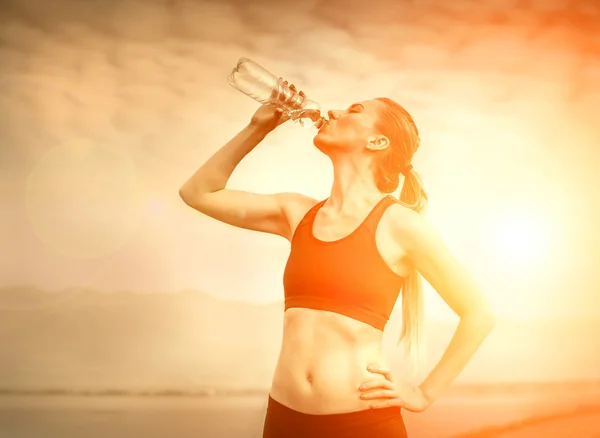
[{"x": 264, "y": 87}]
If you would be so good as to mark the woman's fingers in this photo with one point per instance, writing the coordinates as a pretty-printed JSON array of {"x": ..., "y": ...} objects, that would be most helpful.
[
  {"x": 373, "y": 384},
  {"x": 295, "y": 90},
  {"x": 383, "y": 371},
  {"x": 387, "y": 403},
  {"x": 386, "y": 393}
]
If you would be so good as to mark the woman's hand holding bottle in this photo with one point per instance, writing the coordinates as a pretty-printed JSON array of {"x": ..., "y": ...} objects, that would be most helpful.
[{"x": 270, "y": 116}]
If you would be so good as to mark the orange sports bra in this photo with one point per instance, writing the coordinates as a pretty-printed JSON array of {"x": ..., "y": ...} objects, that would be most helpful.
[{"x": 346, "y": 276}]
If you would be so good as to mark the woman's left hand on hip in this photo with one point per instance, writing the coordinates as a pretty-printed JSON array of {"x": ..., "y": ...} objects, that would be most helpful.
[{"x": 387, "y": 393}]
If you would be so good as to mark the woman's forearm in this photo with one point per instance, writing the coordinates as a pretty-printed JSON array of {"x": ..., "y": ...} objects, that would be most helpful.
[
  {"x": 469, "y": 335},
  {"x": 214, "y": 174}
]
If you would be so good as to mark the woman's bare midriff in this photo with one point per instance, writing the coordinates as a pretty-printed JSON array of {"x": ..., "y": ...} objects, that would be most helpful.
[{"x": 323, "y": 360}]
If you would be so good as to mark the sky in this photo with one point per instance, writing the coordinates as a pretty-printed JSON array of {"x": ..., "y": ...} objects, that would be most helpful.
[{"x": 109, "y": 106}]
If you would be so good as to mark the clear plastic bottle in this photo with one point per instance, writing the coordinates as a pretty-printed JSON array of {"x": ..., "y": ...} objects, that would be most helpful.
[{"x": 263, "y": 86}]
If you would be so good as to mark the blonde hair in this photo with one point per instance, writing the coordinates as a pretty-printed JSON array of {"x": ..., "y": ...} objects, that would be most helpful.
[{"x": 397, "y": 124}]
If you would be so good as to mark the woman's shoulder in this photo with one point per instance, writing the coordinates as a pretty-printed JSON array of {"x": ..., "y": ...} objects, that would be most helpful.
[
  {"x": 297, "y": 205},
  {"x": 408, "y": 227}
]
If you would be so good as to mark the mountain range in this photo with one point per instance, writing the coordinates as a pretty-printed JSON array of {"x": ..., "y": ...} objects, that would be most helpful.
[{"x": 191, "y": 341}]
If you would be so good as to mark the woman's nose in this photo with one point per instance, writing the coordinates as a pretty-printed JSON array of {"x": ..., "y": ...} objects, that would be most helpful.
[{"x": 333, "y": 114}]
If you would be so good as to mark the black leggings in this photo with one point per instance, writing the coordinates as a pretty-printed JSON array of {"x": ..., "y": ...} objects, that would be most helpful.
[{"x": 283, "y": 422}]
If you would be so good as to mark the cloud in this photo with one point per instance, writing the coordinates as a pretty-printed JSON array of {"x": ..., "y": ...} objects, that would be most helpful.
[
  {"x": 115, "y": 69},
  {"x": 484, "y": 79}
]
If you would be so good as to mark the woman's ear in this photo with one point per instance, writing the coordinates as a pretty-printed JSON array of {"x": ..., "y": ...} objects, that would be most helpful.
[{"x": 377, "y": 142}]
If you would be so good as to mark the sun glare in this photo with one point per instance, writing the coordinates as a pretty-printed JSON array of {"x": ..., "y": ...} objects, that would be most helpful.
[{"x": 521, "y": 240}]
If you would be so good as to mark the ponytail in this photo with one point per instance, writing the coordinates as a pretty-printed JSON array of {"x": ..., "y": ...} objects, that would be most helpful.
[
  {"x": 398, "y": 125},
  {"x": 413, "y": 196}
]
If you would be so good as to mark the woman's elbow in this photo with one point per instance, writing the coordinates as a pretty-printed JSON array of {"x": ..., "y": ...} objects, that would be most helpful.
[
  {"x": 182, "y": 193},
  {"x": 185, "y": 194},
  {"x": 486, "y": 317},
  {"x": 482, "y": 316}
]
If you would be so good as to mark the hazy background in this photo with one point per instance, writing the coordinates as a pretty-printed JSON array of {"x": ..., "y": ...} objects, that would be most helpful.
[{"x": 110, "y": 281}]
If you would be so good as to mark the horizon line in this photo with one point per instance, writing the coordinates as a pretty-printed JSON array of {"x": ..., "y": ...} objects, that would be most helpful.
[
  {"x": 454, "y": 318},
  {"x": 209, "y": 391}
]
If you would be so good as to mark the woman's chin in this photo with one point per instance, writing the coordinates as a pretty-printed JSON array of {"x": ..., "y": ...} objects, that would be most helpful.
[
  {"x": 319, "y": 143},
  {"x": 317, "y": 139},
  {"x": 322, "y": 144}
]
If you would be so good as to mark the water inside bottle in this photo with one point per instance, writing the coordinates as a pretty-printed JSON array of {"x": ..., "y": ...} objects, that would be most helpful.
[{"x": 307, "y": 118}]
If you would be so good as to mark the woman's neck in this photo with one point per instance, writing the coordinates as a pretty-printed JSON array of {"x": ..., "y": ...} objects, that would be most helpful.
[{"x": 353, "y": 186}]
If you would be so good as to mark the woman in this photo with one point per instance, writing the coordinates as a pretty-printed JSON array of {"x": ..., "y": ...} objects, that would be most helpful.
[{"x": 351, "y": 255}]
